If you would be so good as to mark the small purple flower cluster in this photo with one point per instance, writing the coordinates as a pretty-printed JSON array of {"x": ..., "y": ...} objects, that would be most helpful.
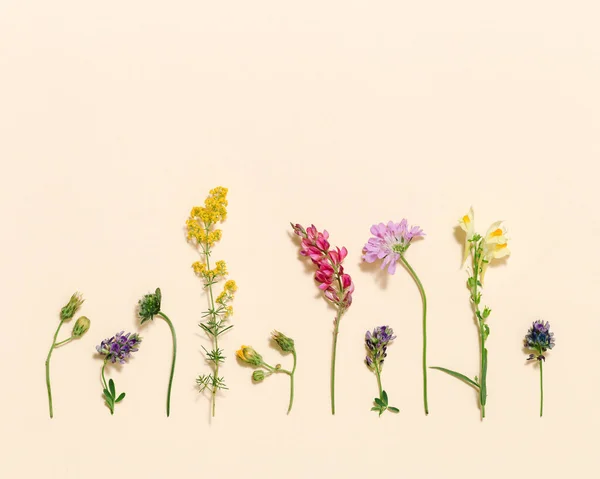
[
  {"x": 376, "y": 343},
  {"x": 539, "y": 338},
  {"x": 120, "y": 346}
]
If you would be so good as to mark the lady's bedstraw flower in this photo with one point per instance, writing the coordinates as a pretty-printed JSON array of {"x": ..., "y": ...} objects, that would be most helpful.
[
  {"x": 337, "y": 286},
  {"x": 202, "y": 232},
  {"x": 376, "y": 343},
  {"x": 540, "y": 339},
  {"x": 81, "y": 326},
  {"x": 482, "y": 249},
  {"x": 389, "y": 243},
  {"x": 118, "y": 348},
  {"x": 248, "y": 355},
  {"x": 148, "y": 307}
]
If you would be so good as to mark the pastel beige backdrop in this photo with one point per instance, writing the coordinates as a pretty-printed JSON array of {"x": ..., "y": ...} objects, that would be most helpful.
[{"x": 117, "y": 117}]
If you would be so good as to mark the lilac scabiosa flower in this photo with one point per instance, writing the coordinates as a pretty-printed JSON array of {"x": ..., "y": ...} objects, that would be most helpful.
[
  {"x": 119, "y": 347},
  {"x": 390, "y": 242},
  {"x": 539, "y": 338}
]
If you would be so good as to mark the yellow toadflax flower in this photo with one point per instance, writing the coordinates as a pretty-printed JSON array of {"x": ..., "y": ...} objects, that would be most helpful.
[
  {"x": 495, "y": 245},
  {"x": 467, "y": 224}
]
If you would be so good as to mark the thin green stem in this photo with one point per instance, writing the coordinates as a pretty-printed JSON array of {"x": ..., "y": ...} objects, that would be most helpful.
[
  {"x": 64, "y": 342},
  {"x": 378, "y": 374},
  {"x": 480, "y": 323},
  {"x": 292, "y": 382},
  {"x": 335, "y": 336},
  {"x": 541, "y": 361},
  {"x": 424, "y": 298},
  {"x": 48, "y": 386},
  {"x": 110, "y": 406},
  {"x": 215, "y": 335},
  {"x": 164, "y": 316}
]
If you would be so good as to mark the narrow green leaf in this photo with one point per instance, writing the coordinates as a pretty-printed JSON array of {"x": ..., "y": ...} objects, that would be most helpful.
[
  {"x": 111, "y": 386},
  {"x": 379, "y": 402},
  {"x": 121, "y": 397},
  {"x": 106, "y": 393},
  {"x": 374, "y": 408},
  {"x": 462, "y": 377},
  {"x": 393, "y": 409},
  {"x": 384, "y": 397}
]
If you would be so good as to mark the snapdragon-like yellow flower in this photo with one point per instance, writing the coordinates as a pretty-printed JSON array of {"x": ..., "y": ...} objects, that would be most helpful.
[
  {"x": 467, "y": 224},
  {"x": 495, "y": 245}
]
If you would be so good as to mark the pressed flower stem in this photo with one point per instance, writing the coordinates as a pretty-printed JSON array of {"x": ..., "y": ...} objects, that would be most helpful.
[
  {"x": 164, "y": 316},
  {"x": 424, "y": 298},
  {"x": 335, "y": 336},
  {"x": 112, "y": 409},
  {"x": 541, "y": 388},
  {"x": 483, "y": 351},
  {"x": 215, "y": 336},
  {"x": 64, "y": 342},
  {"x": 378, "y": 374},
  {"x": 292, "y": 383},
  {"x": 48, "y": 386}
]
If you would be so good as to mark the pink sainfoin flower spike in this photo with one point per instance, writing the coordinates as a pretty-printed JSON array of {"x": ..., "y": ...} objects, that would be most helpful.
[{"x": 337, "y": 286}]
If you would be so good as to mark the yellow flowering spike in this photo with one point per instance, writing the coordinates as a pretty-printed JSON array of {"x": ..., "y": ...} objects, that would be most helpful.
[
  {"x": 467, "y": 224},
  {"x": 228, "y": 311},
  {"x": 199, "y": 268},
  {"x": 230, "y": 286},
  {"x": 222, "y": 298},
  {"x": 221, "y": 268}
]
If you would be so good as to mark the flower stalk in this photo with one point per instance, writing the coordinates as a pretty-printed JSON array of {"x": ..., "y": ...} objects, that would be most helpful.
[
  {"x": 81, "y": 326},
  {"x": 202, "y": 232},
  {"x": 336, "y": 285},
  {"x": 540, "y": 339}
]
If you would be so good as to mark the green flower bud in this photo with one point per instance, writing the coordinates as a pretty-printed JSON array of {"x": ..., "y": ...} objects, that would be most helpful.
[
  {"x": 69, "y": 310},
  {"x": 286, "y": 344},
  {"x": 149, "y": 305},
  {"x": 80, "y": 327},
  {"x": 258, "y": 375}
]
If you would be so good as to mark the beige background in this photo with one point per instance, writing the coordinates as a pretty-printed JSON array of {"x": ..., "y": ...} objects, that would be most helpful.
[{"x": 117, "y": 117}]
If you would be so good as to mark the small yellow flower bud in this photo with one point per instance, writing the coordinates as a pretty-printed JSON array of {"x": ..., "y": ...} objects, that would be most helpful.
[{"x": 249, "y": 355}]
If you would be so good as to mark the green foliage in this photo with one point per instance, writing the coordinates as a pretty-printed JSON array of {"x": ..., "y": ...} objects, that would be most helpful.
[{"x": 381, "y": 404}]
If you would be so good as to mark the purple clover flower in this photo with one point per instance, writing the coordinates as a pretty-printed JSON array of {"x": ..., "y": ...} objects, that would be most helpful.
[
  {"x": 539, "y": 338},
  {"x": 389, "y": 242},
  {"x": 120, "y": 346},
  {"x": 376, "y": 343}
]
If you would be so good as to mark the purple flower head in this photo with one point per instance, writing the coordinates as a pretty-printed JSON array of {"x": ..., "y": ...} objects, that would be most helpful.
[
  {"x": 389, "y": 242},
  {"x": 376, "y": 343},
  {"x": 539, "y": 338},
  {"x": 120, "y": 346}
]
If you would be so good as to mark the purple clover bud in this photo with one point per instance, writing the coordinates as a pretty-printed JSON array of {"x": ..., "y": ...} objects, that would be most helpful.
[{"x": 539, "y": 338}]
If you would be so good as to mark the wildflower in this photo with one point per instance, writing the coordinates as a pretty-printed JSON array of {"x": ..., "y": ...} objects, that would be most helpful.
[
  {"x": 483, "y": 250},
  {"x": 81, "y": 326},
  {"x": 286, "y": 344},
  {"x": 119, "y": 347},
  {"x": 148, "y": 307},
  {"x": 79, "y": 329},
  {"x": 337, "y": 286},
  {"x": 263, "y": 370},
  {"x": 69, "y": 310},
  {"x": 467, "y": 224},
  {"x": 202, "y": 232},
  {"x": 540, "y": 339},
  {"x": 376, "y": 343},
  {"x": 390, "y": 243},
  {"x": 249, "y": 355}
]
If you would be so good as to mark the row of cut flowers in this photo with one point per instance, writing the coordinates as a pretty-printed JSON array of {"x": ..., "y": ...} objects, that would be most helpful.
[{"x": 388, "y": 245}]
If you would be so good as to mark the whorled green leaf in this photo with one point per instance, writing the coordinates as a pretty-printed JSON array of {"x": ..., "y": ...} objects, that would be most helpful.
[{"x": 393, "y": 409}]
